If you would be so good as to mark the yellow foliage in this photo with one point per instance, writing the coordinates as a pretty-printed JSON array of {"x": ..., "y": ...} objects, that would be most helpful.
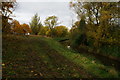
[{"x": 60, "y": 31}]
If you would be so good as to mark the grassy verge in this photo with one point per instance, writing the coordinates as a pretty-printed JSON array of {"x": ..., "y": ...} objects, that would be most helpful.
[{"x": 89, "y": 64}]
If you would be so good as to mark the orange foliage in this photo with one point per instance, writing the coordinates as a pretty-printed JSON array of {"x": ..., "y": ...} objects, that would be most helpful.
[
  {"x": 21, "y": 29},
  {"x": 26, "y": 28}
]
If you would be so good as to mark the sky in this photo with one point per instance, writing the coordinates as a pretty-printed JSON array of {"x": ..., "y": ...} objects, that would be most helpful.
[{"x": 25, "y": 10}]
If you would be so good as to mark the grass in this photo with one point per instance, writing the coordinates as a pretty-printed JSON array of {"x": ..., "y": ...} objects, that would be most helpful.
[
  {"x": 112, "y": 50},
  {"x": 60, "y": 38},
  {"x": 35, "y": 56},
  {"x": 31, "y": 57},
  {"x": 93, "y": 67}
]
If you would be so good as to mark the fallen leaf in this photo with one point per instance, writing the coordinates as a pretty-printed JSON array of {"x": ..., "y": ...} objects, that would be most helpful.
[
  {"x": 32, "y": 71},
  {"x": 3, "y": 64},
  {"x": 41, "y": 74},
  {"x": 35, "y": 74}
]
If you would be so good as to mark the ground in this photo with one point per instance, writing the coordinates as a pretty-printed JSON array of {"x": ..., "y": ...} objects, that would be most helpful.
[{"x": 36, "y": 56}]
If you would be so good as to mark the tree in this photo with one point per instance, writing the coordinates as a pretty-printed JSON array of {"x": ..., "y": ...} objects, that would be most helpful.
[
  {"x": 61, "y": 31},
  {"x": 35, "y": 24},
  {"x": 100, "y": 18},
  {"x": 51, "y": 22},
  {"x": 8, "y": 6},
  {"x": 45, "y": 31},
  {"x": 16, "y": 27},
  {"x": 93, "y": 11},
  {"x": 78, "y": 34},
  {"x": 26, "y": 28}
]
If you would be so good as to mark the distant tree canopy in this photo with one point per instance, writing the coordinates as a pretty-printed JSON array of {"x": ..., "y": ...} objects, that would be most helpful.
[
  {"x": 26, "y": 28},
  {"x": 51, "y": 29},
  {"x": 60, "y": 31},
  {"x": 17, "y": 28},
  {"x": 44, "y": 31},
  {"x": 51, "y": 22},
  {"x": 35, "y": 24},
  {"x": 7, "y": 7}
]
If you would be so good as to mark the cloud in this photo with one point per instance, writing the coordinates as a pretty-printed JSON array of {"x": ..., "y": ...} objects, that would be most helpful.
[{"x": 25, "y": 11}]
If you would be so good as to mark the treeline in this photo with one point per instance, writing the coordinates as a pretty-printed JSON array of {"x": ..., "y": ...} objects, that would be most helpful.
[
  {"x": 50, "y": 27},
  {"x": 35, "y": 27},
  {"x": 97, "y": 29}
]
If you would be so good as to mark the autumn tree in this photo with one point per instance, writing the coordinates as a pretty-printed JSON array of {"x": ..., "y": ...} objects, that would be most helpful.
[
  {"x": 45, "y": 31},
  {"x": 26, "y": 28},
  {"x": 16, "y": 27},
  {"x": 6, "y": 9},
  {"x": 96, "y": 12},
  {"x": 61, "y": 31},
  {"x": 35, "y": 24},
  {"x": 51, "y": 22},
  {"x": 100, "y": 18}
]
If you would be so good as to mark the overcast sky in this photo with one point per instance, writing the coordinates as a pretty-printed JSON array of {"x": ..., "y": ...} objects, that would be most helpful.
[{"x": 26, "y": 10}]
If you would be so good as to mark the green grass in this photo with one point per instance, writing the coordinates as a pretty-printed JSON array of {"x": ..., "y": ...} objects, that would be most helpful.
[
  {"x": 94, "y": 67},
  {"x": 35, "y": 56},
  {"x": 60, "y": 38},
  {"x": 112, "y": 50}
]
